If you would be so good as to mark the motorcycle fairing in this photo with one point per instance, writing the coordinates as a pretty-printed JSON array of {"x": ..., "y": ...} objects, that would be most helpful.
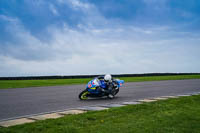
[
  {"x": 119, "y": 82},
  {"x": 91, "y": 86}
]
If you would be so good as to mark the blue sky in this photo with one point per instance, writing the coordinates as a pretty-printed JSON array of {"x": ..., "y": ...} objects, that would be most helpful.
[{"x": 70, "y": 37}]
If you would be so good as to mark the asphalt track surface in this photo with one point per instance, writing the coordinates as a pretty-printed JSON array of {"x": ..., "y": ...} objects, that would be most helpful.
[{"x": 27, "y": 101}]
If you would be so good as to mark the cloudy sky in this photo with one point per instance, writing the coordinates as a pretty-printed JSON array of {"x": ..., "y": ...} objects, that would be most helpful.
[{"x": 72, "y": 37}]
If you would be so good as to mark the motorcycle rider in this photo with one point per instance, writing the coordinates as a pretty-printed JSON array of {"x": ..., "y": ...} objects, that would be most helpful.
[{"x": 106, "y": 80}]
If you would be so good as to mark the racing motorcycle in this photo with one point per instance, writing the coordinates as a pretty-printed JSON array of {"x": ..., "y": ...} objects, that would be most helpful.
[{"x": 92, "y": 88}]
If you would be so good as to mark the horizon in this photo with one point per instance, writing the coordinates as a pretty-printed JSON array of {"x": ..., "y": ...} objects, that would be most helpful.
[{"x": 84, "y": 75}]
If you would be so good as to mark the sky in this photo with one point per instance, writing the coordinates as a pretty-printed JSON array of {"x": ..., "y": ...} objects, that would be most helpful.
[{"x": 75, "y": 37}]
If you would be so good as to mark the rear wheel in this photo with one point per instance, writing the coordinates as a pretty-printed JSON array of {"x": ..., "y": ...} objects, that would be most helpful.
[{"x": 83, "y": 95}]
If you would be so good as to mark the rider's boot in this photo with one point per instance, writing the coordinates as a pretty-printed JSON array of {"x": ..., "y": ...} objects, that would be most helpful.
[{"x": 110, "y": 96}]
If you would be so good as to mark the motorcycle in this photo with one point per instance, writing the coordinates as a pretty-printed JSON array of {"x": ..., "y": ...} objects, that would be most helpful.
[{"x": 92, "y": 88}]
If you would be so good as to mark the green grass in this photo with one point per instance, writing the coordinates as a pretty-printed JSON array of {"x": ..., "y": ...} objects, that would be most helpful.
[
  {"x": 4, "y": 84},
  {"x": 181, "y": 115},
  {"x": 159, "y": 78}
]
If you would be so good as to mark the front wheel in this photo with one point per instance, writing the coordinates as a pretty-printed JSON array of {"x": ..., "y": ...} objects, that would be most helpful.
[{"x": 83, "y": 95}]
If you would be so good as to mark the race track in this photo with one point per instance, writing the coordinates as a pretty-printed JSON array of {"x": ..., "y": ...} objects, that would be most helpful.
[{"x": 27, "y": 101}]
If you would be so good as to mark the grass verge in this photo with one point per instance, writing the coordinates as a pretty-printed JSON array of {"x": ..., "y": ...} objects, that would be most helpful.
[
  {"x": 181, "y": 115},
  {"x": 4, "y": 84}
]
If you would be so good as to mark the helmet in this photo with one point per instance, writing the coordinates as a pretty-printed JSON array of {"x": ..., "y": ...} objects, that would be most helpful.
[{"x": 107, "y": 77}]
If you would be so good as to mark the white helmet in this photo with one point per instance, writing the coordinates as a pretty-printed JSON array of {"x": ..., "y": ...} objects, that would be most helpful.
[{"x": 107, "y": 77}]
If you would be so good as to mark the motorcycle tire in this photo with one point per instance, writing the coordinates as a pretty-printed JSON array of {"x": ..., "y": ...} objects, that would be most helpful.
[{"x": 83, "y": 95}]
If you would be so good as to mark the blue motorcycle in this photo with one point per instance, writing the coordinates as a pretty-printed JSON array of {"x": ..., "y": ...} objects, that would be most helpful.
[{"x": 94, "y": 88}]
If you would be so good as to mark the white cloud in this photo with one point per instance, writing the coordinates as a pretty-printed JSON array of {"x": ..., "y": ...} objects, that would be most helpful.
[
  {"x": 9, "y": 19},
  {"x": 99, "y": 51},
  {"x": 92, "y": 16},
  {"x": 53, "y": 9},
  {"x": 76, "y": 4},
  {"x": 79, "y": 4}
]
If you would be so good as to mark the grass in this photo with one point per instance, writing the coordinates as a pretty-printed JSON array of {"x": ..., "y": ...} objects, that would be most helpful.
[
  {"x": 4, "y": 84},
  {"x": 159, "y": 78},
  {"x": 181, "y": 115}
]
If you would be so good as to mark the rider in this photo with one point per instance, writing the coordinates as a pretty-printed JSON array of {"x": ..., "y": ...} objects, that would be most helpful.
[{"x": 106, "y": 84}]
